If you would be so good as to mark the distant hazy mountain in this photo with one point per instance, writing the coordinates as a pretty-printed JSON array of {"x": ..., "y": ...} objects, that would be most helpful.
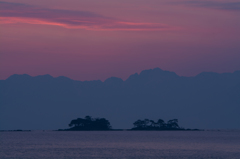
[{"x": 208, "y": 100}]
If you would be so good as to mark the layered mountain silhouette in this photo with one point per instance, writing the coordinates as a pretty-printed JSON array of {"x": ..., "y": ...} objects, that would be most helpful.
[{"x": 207, "y": 101}]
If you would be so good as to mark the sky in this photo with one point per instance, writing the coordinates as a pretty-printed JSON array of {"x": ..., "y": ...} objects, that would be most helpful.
[{"x": 92, "y": 39}]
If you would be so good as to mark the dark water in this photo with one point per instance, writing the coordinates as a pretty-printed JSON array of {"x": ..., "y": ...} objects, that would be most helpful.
[{"x": 120, "y": 144}]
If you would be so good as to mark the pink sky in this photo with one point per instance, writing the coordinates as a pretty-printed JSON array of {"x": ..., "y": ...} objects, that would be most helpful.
[{"x": 91, "y": 40}]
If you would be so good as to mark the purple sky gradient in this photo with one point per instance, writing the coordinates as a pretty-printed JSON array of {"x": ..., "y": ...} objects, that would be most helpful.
[{"x": 91, "y": 40}]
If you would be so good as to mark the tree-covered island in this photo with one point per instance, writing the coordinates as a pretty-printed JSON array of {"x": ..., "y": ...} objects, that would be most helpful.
[
  {"x": 89, "y": 123},
  {"x": 147, "y": 124},
  {"x": 96, "y": 124}
]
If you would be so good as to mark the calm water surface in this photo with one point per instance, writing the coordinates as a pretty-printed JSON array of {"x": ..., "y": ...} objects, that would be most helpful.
[{"x": 120, "y": 144}]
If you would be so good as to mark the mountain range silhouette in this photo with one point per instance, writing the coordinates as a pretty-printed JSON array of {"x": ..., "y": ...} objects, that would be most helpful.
[{"x": 207, "y": 101}]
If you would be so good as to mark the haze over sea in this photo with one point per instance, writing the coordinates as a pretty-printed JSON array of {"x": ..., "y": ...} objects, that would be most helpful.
[{"x": 120, "y": 144}]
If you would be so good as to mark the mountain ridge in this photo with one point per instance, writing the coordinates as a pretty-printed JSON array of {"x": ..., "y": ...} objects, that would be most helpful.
[
  {"x": 135, "y": 74},
  {"x": 208, "y": 100}
]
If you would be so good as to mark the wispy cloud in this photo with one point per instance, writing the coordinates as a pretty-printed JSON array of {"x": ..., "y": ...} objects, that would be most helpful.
[
  {"x": 22, "y": 13},
  {"x": 232, "y": 6}
]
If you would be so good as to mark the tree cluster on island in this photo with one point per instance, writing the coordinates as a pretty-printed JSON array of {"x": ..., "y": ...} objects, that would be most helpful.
[
  {"x": 95, "y": 124},
  {"x": 89, "y": 123},
  {"x": 147, "y": 124}
]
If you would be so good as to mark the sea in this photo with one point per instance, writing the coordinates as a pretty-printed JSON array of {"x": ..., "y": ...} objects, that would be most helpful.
[{"x": 209, "y": 144}]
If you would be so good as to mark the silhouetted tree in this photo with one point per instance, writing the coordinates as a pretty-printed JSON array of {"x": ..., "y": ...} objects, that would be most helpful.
[
  {"x": 89, "y": 118},
  {"x": 173, "y": 123},
  {"x": 147, "y": 124},
  {"x": 138, "y": 124},
  {"x": 102, "y": 123},
  {"x": 161, "y": 123},
  {"x": 153, "y": 124},
  {"x": 89, "y": 123},
  {"x": 73, "y": 123}
]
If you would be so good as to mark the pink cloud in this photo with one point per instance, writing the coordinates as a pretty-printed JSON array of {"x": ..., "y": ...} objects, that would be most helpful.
[{"x": 21, "y": 13}]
